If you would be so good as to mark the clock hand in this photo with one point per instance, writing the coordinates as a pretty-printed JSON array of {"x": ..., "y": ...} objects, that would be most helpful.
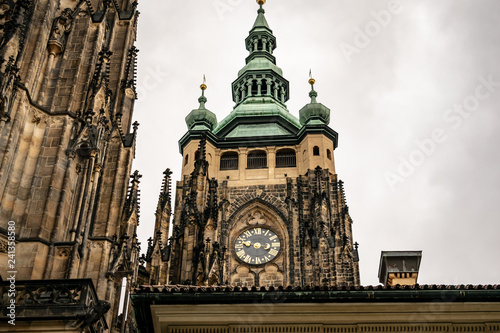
[
  {"x": 267, "y": 247},
  {"x": 247, "y": 244}
]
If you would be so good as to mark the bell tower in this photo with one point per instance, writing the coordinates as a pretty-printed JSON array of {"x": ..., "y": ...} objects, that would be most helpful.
[{"x": 259, "y": 202}]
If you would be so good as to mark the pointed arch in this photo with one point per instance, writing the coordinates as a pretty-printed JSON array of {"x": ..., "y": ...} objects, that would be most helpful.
[{"x": 255, "y": 202}]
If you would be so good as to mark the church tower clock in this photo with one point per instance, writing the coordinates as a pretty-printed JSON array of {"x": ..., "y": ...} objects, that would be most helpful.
[{"x": 259, "y": 202}]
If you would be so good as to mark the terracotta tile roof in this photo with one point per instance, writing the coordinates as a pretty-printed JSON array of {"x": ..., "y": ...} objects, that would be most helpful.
[{"x": 210, "y": 289}]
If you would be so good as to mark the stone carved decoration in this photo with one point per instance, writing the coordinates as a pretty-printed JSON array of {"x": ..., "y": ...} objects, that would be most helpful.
[
  {"x": 3, "y": 246},
  {"x": 49, "y": 295},
  {"x": 14, "y": 17},
  {"x": 97, "y": 312},
  {"x": 4, "y": 17},
  {"x": 8, "y": 80},
  {"x": 256, "y": 218},
  {"x": 129, "y": 83},
  {"x": 57, "y": 42},
  {"x": 7, "y": 25},
  {"x": 271, "y": 276},
  {"x": 63, "y": 252},
  {"x": 199, "y": 217},
  {"x": 243, "y": 277},
  {"x": 60, "y": 30}
]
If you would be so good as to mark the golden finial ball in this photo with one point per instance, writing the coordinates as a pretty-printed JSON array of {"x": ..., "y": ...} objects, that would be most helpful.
[
  {"x": 261, "y": 2},
  {"x": 312, "y": 81},
  {"x": 203, "y": 86}
]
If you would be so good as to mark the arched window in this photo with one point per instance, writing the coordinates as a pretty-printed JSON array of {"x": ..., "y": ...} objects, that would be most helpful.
[
  {"x": 329, "y": 154},
  {"x": 257, "y": 159},
  {"x": 255, "y": 88},
  {"x": 286, "y": 158},
  {"x": 316, "y": 151},
  {"x": 229, "y": 161},
  {"x": 186, "y": 159}
]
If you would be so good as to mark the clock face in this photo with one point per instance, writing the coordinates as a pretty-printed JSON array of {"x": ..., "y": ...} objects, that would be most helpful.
[{"x": 257, "y": 246}]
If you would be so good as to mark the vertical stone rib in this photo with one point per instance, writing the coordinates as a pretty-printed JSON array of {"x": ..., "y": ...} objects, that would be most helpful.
[
  {"x": 56, "y": 179},
  {"x": 10, "y": 147},
  {"x": 80, "y": 65},
  {"x": 28, "y": 174},
  {"x": 27, "y": 232},
  {"x": 87, "y": 221},
  {"x": 38, "y": 51},
  {"x": 77, "y": 202},
  {"x": 90, "y": 74},
  {"x": 15, "y": 174},
  {"x": 113, "y": 211},
  {"x": 84, "y": 204}
]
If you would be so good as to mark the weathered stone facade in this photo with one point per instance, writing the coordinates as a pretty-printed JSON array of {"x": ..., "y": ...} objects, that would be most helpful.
[
  {"x": 308, "y": 213},
  {"x": 67, "y": 82}
]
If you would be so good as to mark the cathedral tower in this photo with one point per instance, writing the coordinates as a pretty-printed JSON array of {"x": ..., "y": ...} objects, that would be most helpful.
[
  {"x": 259, "y": 202},
  {"x": 67, "y": 82}
]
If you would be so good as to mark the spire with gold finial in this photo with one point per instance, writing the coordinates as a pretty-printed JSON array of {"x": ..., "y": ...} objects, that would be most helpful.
[
  {"x": 202, "y": 100},
  {"x": 313, "y": 94},
  {"x": 314, "y": 113},
  {"x": 201, "y": 118},
  {"x": 261, "y": 20}
]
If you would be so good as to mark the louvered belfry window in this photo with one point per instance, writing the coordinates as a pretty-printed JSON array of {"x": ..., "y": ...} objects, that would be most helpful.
[
  {"x": 286, "y": 158},
  {"x": 257, "y": 159},
  {"x": 229, "y": 161}
]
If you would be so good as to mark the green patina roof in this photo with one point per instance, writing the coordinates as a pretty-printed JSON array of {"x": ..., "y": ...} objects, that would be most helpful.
[
  {"x": 259, "y": 108},
  {"x": 260, "y": 64},
  {"x": 201, "y": 118},
  {"x": 261, "y": 21},
  {"x": 260, "y": 92},
  {"x": 252, "y": 130}
]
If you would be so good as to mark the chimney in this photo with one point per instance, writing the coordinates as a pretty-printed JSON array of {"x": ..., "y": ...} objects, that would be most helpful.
[{"x": 399, "y": 267}]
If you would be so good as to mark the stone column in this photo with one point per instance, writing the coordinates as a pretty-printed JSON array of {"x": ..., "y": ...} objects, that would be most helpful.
[
  {"x": 259, "y": 87},
  {"x": 242, "y": 162},
  {"x": 249, "y": 88},
  {"x": 271, "y": 161},
  {"x": 269, "y": 85}
]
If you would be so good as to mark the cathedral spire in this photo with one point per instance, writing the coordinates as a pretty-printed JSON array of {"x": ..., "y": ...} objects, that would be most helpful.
[
  {"x": 202, "y": 100},
  {"x": 313, "y": 94},
  {"x": 314, "y": 113},
  {"x": 261, "y": 41},
  {"x": 261, "y": 21},
  {"x": 201, "y": 118},
  {"x": 260, "y": 80}
]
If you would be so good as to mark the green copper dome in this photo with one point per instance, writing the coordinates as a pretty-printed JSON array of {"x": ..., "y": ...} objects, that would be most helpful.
[
  {"x": 201, "y": 118},
  {"x": 314, "y": 112}
]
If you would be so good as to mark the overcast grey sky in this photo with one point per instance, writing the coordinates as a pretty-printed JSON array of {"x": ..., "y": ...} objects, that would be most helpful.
[{"x": 414, "y": 96}]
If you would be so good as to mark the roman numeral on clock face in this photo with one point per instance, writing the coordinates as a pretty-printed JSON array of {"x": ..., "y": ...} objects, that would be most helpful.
[{"x": 257, "y": 246}]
